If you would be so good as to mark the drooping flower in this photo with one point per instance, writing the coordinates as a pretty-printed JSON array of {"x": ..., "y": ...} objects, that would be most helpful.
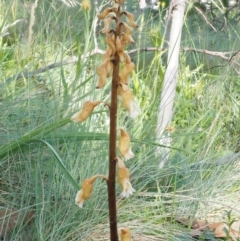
[
  {"x": 86, "y": 191},
  {"x": 109, "y": 40},
  {"x": 128, "y": 34},
  {"x": 131, "y": 19},
  {"x": 102, "y": 72},
  {"x": 119, "y": 49},
  {"x": 122, "y": 87},
  {"x": 130, "y": 105},
  {"x": 128, "y": 100},
  {"x": 125, "y": 234},
  {"x": 124, "y": 145},
  {"x": 105, "y": 13},
  {"x": 124, "y": 179},
  {"x": 86, "y": 111},
  {"x": 107, "y": 22},
  {"x": 126, "y": 70}
]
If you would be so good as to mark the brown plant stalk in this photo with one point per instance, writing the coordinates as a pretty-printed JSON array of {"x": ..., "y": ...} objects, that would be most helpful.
[{"x": 113, "y": 139}]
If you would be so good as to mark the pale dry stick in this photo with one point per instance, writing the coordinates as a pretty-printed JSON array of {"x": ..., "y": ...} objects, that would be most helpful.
[
  {"x": 31, "y": 23},
  {"x": 201, "y": 13}
]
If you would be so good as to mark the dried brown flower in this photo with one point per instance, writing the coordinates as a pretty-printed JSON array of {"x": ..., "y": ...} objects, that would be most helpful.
[
  {"x": 125, "y": 234},
  {"x": 126, "y": 70},
  {"x": 131, "y": 19},
  {"x": 86, "y": 191},
  {"x": 86, "y": 111},
  {"x": 128, "y": 100},
  {"x": 107, "y": 22},
  {"x": 124, "y": 179},
  {"x": 124, "y": 145},
  {"x": 119, "y": 49},
  {"x": 105, "y": 13},
  {"x": 109, "y": 40}
]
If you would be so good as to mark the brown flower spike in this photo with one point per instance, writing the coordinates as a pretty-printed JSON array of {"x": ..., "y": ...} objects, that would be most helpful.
[
  {"x": 124, "y": 179},
  {"x": 86, "y": 111},
  {"x": 124, "y": 145}
]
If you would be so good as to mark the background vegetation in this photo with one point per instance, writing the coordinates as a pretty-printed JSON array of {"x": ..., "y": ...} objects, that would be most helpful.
[{"x": 202, "y": 176}]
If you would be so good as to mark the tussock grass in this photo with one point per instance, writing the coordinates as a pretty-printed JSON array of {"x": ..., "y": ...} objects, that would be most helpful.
[{"x": 201, "y": 178}]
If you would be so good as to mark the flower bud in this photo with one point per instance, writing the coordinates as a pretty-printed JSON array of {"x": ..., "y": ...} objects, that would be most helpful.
[
  {"x": 86, "y": 5},
  {"x": 85, "y": 112},
  {"x": 125, "y": 234},
  {"x": 124, "y": 145}
]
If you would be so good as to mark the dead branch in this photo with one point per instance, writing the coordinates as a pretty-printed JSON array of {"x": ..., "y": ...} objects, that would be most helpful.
[{"x": 205, "y": 18}]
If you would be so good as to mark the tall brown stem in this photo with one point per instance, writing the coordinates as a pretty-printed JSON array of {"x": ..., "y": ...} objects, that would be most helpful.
[{"x": 112, "y": 141}]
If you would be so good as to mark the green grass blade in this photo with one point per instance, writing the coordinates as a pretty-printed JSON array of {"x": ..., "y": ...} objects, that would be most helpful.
[
  {"x": 43, "y": 130},
  {"x": 67, "y": 175}
]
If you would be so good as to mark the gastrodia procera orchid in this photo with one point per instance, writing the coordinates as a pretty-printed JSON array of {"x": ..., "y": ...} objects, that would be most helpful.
[
  {"x": 110, "y": 41},
  {"x": 124, "y": 145},
  {"x": 86, "y": 111},
  {"x": 124, "y": 179},
  {"x": 125, "y": 234},
  {"x": 106, "y": 23},
  {"x": 86, "y": 190},
  {"x": 128, "y": 33},
  {"x": 119, "y": 49},
  {"x": 131, "y": 19},
  {"x": 126, "y": 69},
  {"x": 102, "y": 71},
  {"x": 105, "y": 13},
  {"x": 128, "y": 100}
]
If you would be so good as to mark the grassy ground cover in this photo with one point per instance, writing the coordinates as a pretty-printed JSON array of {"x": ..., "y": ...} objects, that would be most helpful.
[{"x": 202, "y": 176}]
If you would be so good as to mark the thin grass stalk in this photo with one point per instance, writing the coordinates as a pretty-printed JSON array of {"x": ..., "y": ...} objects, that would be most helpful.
[{"x": 112, "y": 141}]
